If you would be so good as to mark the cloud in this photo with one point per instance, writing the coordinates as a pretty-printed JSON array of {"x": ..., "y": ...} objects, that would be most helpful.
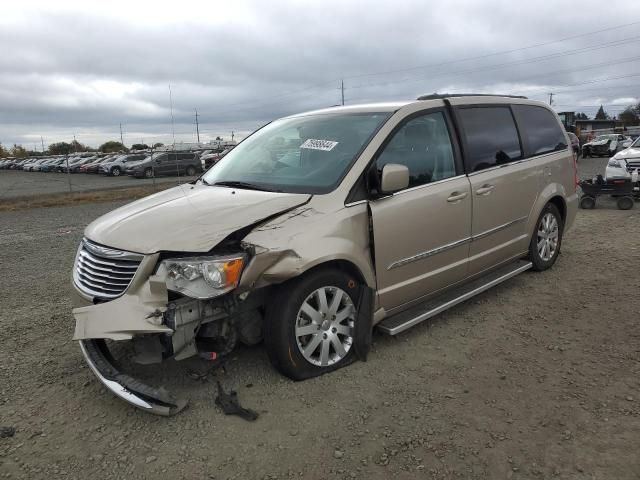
[{"x": 83, "y": 70}]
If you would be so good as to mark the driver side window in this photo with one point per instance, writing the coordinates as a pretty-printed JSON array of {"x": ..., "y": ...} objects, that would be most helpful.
[{"x": 424, "y": 146}]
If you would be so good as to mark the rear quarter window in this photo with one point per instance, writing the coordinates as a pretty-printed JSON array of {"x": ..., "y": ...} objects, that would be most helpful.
[{"x": 540, "y": 130}]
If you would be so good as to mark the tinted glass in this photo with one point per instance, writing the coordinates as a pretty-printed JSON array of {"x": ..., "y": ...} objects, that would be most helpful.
[
  {"x": 540, "y": 130},
  {"x": 424, "y": 146},
  {"x": 491, "y": 137}
]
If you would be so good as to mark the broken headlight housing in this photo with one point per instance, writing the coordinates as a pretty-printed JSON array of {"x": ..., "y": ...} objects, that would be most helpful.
[{"x": 204, "y": 277}]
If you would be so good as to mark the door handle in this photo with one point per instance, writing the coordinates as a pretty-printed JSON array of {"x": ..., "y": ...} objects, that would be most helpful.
[
  {"x": 486, "y": 189},
  {"x": 456, "y": 197}
]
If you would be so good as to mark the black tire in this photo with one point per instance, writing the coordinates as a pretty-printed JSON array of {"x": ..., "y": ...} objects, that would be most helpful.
[
  {"x": 625, "y": 203},
  {"x": 191, "y": 171},
  {"x": 115, "y": 171},
  {"x": 539, "y": 263},
  {"x": 587, "y": 202},
  {"x": 282, "y": 314},
  {"x": 148, "y": 172}
]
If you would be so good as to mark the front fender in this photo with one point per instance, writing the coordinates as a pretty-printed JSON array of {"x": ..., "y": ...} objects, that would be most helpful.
[{"x": 305, "y": 238}]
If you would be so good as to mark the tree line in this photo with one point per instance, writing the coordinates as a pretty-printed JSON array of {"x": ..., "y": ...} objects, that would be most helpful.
[{"x": 64, "y": 148}]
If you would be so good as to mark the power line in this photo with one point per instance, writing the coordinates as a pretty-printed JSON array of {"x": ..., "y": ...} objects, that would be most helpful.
[
  {"x": 506, "y": 64},
  {"x": 502, "y": 52},
  {"x": 311, "y": 87}
]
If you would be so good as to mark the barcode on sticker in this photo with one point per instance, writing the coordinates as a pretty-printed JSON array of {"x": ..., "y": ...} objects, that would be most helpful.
[{"x": 313, "y": 144}]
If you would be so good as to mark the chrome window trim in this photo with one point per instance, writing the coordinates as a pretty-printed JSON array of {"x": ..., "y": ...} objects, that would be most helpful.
[{"x": 517, "y": 162}]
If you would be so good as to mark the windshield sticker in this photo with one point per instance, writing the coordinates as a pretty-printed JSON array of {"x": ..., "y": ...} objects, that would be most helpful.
[{"x": 313, "y": 144}]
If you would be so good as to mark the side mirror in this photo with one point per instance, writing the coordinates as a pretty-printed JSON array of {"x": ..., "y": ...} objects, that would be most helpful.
[{"x": 395, "y": 177}]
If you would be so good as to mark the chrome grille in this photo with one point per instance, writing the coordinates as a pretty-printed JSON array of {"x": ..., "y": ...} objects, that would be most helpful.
[
  {"x": 104, "y": 272},
  {"x": 633, "y": 164}
]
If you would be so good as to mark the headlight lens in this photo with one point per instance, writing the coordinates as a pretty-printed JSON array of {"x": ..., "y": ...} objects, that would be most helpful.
[
  {"x": 614, "y": 163},
  {"x": 204, "y": 277}
]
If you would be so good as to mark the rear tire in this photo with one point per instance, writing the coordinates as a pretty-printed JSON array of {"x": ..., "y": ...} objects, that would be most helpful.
[
  {"x": 625, "y": 203},
  {"x": 546, "y": 239},
  {"x": 310, "y": 324},
  {"x": 191, "y": 171},
  {"x": 587, "y": 202},
  {"x": 148, "y": 173}
]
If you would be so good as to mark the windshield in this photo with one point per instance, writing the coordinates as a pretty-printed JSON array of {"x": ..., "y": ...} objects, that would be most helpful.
[
  {"x": 636, "y": 143},
  {"x": 307, "y": 154}
]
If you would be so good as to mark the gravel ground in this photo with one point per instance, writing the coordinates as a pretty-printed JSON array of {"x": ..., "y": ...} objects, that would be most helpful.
[
  {"x": 536, "y": 378},
  {"x": 16, "y": 183}
]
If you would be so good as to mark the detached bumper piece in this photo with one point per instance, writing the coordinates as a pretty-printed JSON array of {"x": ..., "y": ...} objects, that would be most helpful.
[{"x": 153, "y": 400}]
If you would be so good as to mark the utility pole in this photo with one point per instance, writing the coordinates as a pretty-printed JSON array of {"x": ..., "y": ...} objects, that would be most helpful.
[
  {"x": 342, "y": 90},
  {"x": 232, "y": 135},
  {"x": 550, "y": 99},
  {"x": 42, "y": 142},
  {"x": 121, "y": 140},
  {"x": 173, "y": 133},
  {"x": 197, "y": 126}
]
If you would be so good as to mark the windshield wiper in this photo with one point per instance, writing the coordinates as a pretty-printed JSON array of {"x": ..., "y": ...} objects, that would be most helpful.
[{"x": 244, "y": 185}]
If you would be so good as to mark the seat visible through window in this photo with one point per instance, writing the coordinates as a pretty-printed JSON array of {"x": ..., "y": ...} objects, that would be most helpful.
[{"x": 424, "y": 146}]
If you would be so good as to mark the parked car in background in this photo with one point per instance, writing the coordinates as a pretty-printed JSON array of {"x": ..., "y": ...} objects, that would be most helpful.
[
  {"x": 166, "y": 163},
  {"x": 53, "y": 165},
  {"x": 625, "y": 162},
  {"x": 379, "y": 215},
  {"x": 93, "y": 166},
  {"x": 213, "y": 158},
  {"x": 115, "y": 166},
  {"x": 604, "y": 145}
]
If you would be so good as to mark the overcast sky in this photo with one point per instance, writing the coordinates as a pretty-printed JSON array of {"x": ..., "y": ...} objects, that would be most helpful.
[{"x": 82, "y": 67}]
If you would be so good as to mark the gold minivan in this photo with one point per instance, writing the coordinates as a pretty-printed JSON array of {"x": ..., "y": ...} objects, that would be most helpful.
[{"x": 319, "y": 228}]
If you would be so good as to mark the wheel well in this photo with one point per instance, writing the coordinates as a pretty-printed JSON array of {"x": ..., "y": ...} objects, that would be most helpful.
[
  {"x": 560, "y": 205},
  {"x": 342, "y": 265}
]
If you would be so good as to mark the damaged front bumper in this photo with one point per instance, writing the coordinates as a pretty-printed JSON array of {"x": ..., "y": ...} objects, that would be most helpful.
[{"x": 153, "y": 400}]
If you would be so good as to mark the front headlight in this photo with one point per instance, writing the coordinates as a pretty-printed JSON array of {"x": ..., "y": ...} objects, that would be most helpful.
[
  {"x": 614, "y": 163},
  {"x": 204, "y": 277}
]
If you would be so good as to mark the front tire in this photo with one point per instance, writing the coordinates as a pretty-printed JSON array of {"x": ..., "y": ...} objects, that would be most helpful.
[
  {"x": 191, "y": 171},
  {"x": 310, "y": 324},
  {"x": 547, "y": 238},
  {"x": 115, "y": 171},
  {"x": 148, "y": 173}
]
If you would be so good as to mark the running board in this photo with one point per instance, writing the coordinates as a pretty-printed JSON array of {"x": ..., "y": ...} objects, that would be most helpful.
[{"x": 408, "y": 318}]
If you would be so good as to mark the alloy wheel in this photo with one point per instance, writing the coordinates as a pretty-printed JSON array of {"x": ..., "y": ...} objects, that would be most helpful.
[
  {"x": 548, "y": 234},
  {"x": 325, "y": 325}
]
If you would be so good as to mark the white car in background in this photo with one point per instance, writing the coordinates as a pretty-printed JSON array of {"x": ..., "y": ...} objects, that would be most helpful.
[{"x": 624, "y": 163}]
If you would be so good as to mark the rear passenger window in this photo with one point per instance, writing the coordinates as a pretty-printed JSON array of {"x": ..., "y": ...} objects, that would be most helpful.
[
  {"x": 424, "y": 146},
  {"x": 491, "y": 137},
  {"x": 540, "y": 130}
]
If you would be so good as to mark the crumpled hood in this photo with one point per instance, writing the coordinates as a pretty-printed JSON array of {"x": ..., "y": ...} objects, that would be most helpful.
[
  {"x": 628, "y": 153},
  {"x": 188, "y": 218}
]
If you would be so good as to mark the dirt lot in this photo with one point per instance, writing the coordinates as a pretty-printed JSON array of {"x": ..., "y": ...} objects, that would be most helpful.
[
  {"x": 537, "y": 378},
  {"x": 16, "y": 183}
]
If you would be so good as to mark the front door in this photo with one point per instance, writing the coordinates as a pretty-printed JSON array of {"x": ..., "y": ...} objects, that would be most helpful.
[{"x": 421, "y": 234}]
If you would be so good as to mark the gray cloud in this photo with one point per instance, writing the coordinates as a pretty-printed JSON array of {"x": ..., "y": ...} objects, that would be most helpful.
[{"x": 78, "y": 72}]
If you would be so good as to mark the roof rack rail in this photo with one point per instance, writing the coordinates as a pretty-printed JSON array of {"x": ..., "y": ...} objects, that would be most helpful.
[{"x": 438, "y": 96}]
